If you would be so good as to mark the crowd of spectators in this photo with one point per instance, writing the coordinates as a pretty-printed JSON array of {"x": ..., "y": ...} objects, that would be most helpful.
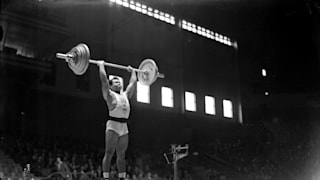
[
  {"x": 279, "y": 152},
  {"x": 274, "y": 150},
  {"x": 81, "y": 158}
]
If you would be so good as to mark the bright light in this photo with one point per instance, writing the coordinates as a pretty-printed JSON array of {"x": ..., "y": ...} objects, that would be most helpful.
[
  {"x": 144, "y": 9},
  {"x": 143, "y": 93},
  {"x": 190, "y": 101},
  {"x": 210, "y": 107},
  {"x": 150, "y": 11},
  {"x": 167, "y": 20},
  {"x": 138, "y": 7},
  {"x": 199, "y": 31},
  {"x": 165, "y": 17},
  {"x": 266, "y": 93},
  {"x": 264, "y": 72},
  {"x": 125, "y": 3},
  {"x": 212, "y": 35},
  {"x": 227, "y": 109},
  {"x": 132, "y": 6},
  {"x": 119, "y": 2},
  {"x": 156, "y": 13},
  {"x": 207, "y": 33},
  {"x": 184, "y": 26},
  {"x": 172, "y": 21},
  {"x": 167, "y": 97},
  {"x": 161, "y": 16}
]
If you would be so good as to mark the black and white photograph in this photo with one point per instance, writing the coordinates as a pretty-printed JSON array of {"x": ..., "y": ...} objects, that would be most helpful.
[{"x": 159, "y": 90}]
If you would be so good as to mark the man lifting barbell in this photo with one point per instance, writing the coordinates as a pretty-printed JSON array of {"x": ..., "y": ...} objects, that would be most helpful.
[{"x": 116, "y": 135}]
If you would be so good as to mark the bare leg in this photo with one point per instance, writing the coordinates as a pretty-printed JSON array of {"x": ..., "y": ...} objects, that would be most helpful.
[
  {"x": 111, "y": 143},
  {"x": 121, "y": 152}
]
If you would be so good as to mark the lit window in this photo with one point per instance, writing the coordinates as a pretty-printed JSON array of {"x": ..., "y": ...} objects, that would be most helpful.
[
  {"x": 190, "y": 101},
  {"x": 210, "y": 105},
  {"x": 227, "y": 109},
  {"x": 143, "y": 93},
  {"x": 167, "y": 97},
  {"x": 264, "y": 72}
]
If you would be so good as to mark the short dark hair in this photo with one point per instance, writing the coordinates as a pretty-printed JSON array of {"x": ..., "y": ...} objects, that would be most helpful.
[{"x": 111, "y": 80}]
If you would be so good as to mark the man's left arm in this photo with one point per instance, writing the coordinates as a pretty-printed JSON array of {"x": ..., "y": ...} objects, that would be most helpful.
[{"x": 132, "y": 83}]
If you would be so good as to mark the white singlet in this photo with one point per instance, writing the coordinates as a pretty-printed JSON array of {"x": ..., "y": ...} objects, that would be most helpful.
[{"x": 122, "y": 110}]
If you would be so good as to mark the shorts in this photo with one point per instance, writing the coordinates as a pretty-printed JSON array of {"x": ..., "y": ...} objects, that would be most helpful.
[{"x": 120, "y": 128}]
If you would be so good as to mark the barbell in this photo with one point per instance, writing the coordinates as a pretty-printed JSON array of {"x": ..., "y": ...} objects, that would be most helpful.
[{"x": 78, "y": 59}]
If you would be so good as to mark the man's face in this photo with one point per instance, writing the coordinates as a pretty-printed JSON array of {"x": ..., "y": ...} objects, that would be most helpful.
[{"x": 116, "y": 85}]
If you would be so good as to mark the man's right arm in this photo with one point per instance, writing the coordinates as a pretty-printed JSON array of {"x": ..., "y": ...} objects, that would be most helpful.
[{"x": 105, "y": 87}]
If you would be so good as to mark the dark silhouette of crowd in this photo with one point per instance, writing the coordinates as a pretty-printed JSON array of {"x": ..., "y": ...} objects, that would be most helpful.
[
  {"x": 49, "y": 155},
  {"x": 268, "y": 150}
]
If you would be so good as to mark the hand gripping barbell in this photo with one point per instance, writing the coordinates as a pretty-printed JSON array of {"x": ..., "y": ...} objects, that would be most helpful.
[{"x": 78, "y": 59}]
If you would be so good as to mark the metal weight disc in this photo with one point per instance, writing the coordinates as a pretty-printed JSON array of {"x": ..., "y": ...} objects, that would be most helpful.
[
  {"x": 80, "y": 62},
  {"x": 85, "y": 56},
  {"x": 83, "y": 59},
  {"x": 73, "y": 62},
  {"x": 148, "y": 73}
]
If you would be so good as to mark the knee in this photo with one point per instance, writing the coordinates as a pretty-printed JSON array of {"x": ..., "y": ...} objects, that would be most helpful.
[
  {"x": 121, "y": 155},
  {"x": 108, "y": 152}
]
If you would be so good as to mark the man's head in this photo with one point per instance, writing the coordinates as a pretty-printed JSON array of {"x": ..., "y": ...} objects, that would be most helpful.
[{"x": 115, "y": 84}]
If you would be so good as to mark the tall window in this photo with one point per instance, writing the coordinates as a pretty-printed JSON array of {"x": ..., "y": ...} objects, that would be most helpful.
[
  {"x": 227, "y": 108},
  {"x": 210, "y": 105},
  {"x": 264, "y": 72},
  {"x": 166, "y": 97},
  {"x": 190, "y": 101},
  {"x": 143, "y": 93}
]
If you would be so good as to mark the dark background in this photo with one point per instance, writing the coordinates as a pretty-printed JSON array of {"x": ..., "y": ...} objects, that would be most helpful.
[{"x": 40, "y": 94}]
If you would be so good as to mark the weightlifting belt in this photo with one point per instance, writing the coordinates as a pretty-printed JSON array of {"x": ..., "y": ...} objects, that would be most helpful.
[{"x": 121, "y": 120}]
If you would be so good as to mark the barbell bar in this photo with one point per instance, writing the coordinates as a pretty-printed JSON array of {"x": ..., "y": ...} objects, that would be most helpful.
[{"x": 78, "y": 59}]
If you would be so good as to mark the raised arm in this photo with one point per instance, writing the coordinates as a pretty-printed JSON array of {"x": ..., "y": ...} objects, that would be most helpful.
[
  {"x": 105, "y": 87},
  {"x": 132, "y": 83}
]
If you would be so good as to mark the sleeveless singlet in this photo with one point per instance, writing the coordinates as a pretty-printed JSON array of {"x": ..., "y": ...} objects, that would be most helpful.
[{"x": 119, "y": 115}]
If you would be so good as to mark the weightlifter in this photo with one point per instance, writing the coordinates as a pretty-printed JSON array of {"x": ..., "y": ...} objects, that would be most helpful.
[{"x": 116, "y": 133}]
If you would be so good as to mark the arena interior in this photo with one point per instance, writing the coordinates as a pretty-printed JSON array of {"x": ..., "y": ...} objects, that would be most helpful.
[{"x": 227, "y": 89}]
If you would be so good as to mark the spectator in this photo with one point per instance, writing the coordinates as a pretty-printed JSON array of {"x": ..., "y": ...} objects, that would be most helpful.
[{"x": 63, "y": 168}]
